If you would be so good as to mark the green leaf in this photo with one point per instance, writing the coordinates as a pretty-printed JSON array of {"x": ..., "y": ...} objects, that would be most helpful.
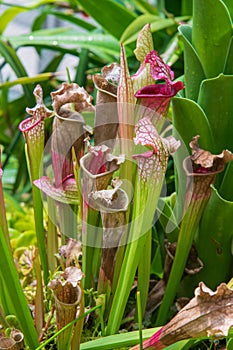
[
  {"x": 226, "y": 187},
  {"x": 145, "y": 7},
  {"x": 66, "y": 37},
  {"x": 157, "y": 23},
  {"x": 72, "y": 19},
  {"x": 228, "y": 68},
  {"x": 229, "y": 5},
  {"x": 130, "y": 34},
  {"x": 167, "y": 218},
  {"x": 216, "y": 233},
  {"x": 8, "y": 15},
  {"x": 29, "y": 80},
  {"x": 194, "y": 73},
  {"x": 215, "y": 99},
  {"x": 13, "y": 60},
  {"x": 10, "y": 278},
  {"x": 211, "y": 34},
  {"x": 112, "y": 16},
  {"x": 190, "y": 120},
  {"x": 118, "y": 341}
]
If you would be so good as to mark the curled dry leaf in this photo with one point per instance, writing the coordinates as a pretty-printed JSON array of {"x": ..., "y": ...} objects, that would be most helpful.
[
  {"x": 193, "y": 264},
  {"x": 201, "y": 169},
  {"x": 71, "y": 251},
  {"x": 71, "y": 93},
  {"x": 205, "y": 162},
  {"x": 208, "y": 314}
]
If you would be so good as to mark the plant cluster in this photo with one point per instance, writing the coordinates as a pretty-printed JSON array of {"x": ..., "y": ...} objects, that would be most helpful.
[{"x": 129, "y": 202}]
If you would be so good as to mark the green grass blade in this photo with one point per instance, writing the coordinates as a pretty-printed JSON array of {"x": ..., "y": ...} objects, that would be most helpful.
[
  {"x": 72, "y": 19},
  {"x": 13, "y": 60},
  {"x": 139, "y": 313},
  {"x": 68, "y": 38},
  {"x": 157, "y": 23},
  {"x": 111, "y": 15},
  {"x": 67, "y": 326},
  {"x": 144, "y": 272},
  {"x": 117, "y": 341},
  {"x": 29, "y": 80},
  {"x": 8, "y": 15},
  {"x": 12, "y": 284}
]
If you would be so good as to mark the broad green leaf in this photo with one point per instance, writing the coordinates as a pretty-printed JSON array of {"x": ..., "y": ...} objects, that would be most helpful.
[
  {"x": 157, "y": 23},
  {"x": 226, "y": 187},
  {"x": 211, "y": 34},
  {"x": 194, "y": 73},
  {"x": 66, "y": 37},
  {"x": 228, "y": 68},
  {"x": 229, "y": 4},
  {"x": 190, "y": 120},
  {"x": 112, "y": 16},
  {"x": 10, "y": 278},
  {"x": 8, "y": 15},
  {"x": 213, "y": 241},
  {"x": 215, "y": 99}
]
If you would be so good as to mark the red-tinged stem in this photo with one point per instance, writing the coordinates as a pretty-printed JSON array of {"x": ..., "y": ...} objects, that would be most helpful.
[{"x": 153, "y": 343}]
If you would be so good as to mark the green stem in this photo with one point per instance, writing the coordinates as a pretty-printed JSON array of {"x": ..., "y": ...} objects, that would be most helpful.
[
  {"x": 90, "y": 247},
  {"x": 139, "y": 312},
  {"x": 52, "y": 240},
  {"x": 134, "y": 249},
  {"x": 39, "y": 299},
  {"x": 67, "y": 221},
  {"x": 144, "y": 267},
  {"x": 78, "y": 327},
  {"x": 188, "y": 228},
  {"x": 80, "y": 77},
  {"x": 67, "y": 326},
  {"x": 40, "y": 233},
  {"x": 9, "y": 276}
]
